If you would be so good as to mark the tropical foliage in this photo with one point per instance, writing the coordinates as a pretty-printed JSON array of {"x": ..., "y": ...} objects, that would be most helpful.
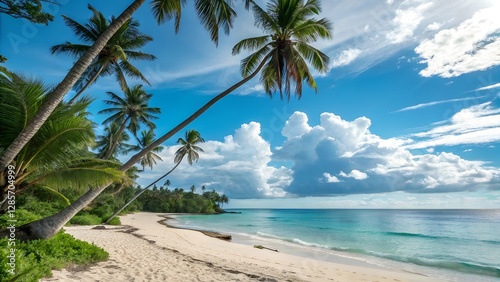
[
  {"x": 57, "y": 156},
  {"x": 147, "y": 137},
  {"x": 286, "y": 48},
  {"x": 129, "y": 112},
  {"x": 113, "y": 58}
]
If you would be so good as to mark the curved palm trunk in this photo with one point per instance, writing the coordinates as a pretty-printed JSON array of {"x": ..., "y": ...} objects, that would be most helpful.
[
  {"x": 140, "y": 193},
  {"x": 87, "y": 85},
  {"x": 56, "y": 96},
  {"x": 49, "y": 226},
  {"x": 114, "y": 143},
  {"x": 187, "y": 121}
]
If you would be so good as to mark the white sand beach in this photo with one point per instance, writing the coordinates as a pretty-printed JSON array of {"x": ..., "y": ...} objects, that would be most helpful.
[{"x": 144, "y": 250}]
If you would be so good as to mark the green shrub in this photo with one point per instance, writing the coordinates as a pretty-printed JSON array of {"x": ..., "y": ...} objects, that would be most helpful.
[
  {"x": 115, "y": 221},
  {"x": 35, "y": 259},
  {"x": 21, "y": 216},
  {"x": 86, "y": 219}
]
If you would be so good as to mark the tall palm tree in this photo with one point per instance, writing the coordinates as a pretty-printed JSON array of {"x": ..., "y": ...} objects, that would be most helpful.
[
  {"x": 214, "y": 14},
  {"x": 193, "y": 189},
  {"x": 188, "y": 149},
  {"x": 104, "y": 142},
  {"x": 147, "y": 137},
  {"x": 308, "y": 29},
  {"x": 113, "y": 58},
  {"x": 130, "y": 112},
  {"x": 57, "y": 156}
]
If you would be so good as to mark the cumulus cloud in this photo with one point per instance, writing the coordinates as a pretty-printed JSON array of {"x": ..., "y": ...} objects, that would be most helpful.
[
  {"x": 328, "y": 178},
  {"x": 338, "y": 157},
  {"x": 478, "y": 124},
  {"x": 346, "y": 57},
  {"x": 238, "y": 166},
  {"x": 356, "y": 174},
  {"x": 434, "y": 26},
  {"x": 472, "y": 46},
  {"x": 406, "y": 22},
  {"x": 357, "y": 161}
]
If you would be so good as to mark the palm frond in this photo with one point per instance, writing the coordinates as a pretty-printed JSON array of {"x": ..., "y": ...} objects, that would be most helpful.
[{"x": 251, "y": 44}]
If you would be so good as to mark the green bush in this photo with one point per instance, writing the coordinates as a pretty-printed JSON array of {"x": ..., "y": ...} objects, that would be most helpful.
[
  {"x": 86, "y": 219},
  {"x": 35, "y": 259},
  {"x": 115, "y": 221},
  {"x": 21, "y": 216}
]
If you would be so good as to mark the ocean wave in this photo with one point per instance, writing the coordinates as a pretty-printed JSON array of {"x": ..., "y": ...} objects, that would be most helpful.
[
  {"x": 301, "y": 242},
  {"x": 465, "y": 267},
  {"x": 424, "y": 236}
]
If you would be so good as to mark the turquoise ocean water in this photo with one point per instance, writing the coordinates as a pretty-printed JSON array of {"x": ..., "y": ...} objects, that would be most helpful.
[{"x": 458, "y": 245}]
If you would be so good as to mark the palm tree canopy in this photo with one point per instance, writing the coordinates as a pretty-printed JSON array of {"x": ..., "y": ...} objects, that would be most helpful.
[
  {"x": 290, "y": 28},
  {"x": 147, "y": 137},
  {"x": 113, "y": 58},
  {"x": 57, "y": 156},
  {"x": 188, "y": 147},
  {"x": 213, "y": 14},
  {"x": 104, "y": 142},
  {"x": 133, "y": 109}
]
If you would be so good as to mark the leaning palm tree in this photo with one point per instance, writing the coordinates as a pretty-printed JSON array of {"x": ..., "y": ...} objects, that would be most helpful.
[
  {"x": 188, "y": 149},
  {"x": 147, "y": 137},
  {"x": 214, "y": 15},
  {"x": 130, "y": 112},
  {"x": 302, "y": 29},
  {"x": 57, "y": 156},
  {"x": 113, "y": 58}
]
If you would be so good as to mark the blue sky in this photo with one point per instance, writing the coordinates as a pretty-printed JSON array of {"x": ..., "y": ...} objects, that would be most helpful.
[{"x": 407, "y": 117}]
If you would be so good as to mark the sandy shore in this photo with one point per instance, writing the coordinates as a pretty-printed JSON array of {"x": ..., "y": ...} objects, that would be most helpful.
[{"x": 144, "y": 250}]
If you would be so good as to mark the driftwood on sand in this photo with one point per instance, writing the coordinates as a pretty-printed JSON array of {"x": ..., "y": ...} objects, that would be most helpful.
[{"x": 262, "y": 247}]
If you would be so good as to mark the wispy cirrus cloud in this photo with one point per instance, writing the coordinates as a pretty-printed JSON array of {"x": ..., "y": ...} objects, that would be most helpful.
[
  {"x": 424, "y": 105},
  {"x": 479, "y": 124},
  {"x": 489, "y": 87}
]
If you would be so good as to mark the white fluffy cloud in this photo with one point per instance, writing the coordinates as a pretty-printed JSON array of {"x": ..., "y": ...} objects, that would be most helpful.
[
  {"x": 357, "y": 161},
  {"x": 478, "y": 124},
  {"x": 356, "y": 174},
  {"x": 338, "y": 156},
  {"x": 406, "y": 22},
  {"x": 238, "y": 166},
  {"x": 471, "y": 46}
]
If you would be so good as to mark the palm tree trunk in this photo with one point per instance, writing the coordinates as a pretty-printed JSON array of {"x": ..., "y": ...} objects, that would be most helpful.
[
  {"x": 55, "y": 97},
  {"x": 140, "y": 193},
  {"x": 87, "y": 85},
  {"x": 111, "y": 150},
  {"x": 47, "y": 227},
  {"x": 187, "y": 121}
]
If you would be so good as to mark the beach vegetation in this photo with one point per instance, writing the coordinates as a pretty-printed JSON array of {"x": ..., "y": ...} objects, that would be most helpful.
[
  {"x": 57, "y": 156},
  {"x": 37, "y": 258},
  {"x": 188, "y": 149}
]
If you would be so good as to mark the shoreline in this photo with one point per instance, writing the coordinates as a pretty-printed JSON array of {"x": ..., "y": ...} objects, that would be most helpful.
[{"x": 143, "y": 249}]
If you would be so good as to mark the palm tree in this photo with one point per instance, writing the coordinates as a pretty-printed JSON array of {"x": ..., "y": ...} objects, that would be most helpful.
[
  {"x": 212, "y": 20},
  {"x": 57, "y": 156},
  {"x": 203, "y": 188},
  {"x": 129, "y": 112},
  {"x": 193, "y": 189},
  {"x": 147, "y": 137},
  {"x": 167, "y": 183},
  {"x": 305, "y": 30},
  {"x": 113, "y": 58},
  {"x": 188, "y": 149},
  {"x": 104, "y": 142},
  {"x": 224, "y": 200}
]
